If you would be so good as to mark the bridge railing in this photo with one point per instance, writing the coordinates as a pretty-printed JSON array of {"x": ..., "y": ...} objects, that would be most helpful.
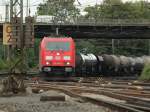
[
  {"x": 113, "y": 22},
  {"x": 2, "y": 21},
  {"x": 96, "y": 22},
  {"x": 92, "y": 22}
]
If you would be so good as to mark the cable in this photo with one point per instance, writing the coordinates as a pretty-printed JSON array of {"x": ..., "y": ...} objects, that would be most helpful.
[
  {"x": 82, "y": 6},
  {"x": 79, "y": 2}
]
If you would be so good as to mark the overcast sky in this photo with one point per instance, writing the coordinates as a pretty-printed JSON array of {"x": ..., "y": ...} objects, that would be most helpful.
[{"x": 34, "y": 4}]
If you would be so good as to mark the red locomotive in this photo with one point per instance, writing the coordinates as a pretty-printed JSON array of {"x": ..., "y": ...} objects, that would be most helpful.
[{"x": 57, "y": 55}]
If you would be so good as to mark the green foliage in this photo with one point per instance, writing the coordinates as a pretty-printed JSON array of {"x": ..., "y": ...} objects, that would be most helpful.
[
  {"x": 62, "y": 10},
  {"x": 116, "y": 9},
  {"x": 84, "y": 46},
  {"x": 146, "y": 72},
  {"x": 33, "y": 54},
  {"x": 2, "y": 64},
  {"x": 128, "y": 47},
  {"x": 92, "y": 46},
  {"x": 6, "y": 65},
  {"x": 31, "y": 58}
]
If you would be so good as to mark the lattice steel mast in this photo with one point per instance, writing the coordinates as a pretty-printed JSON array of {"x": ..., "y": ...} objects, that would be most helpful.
[{"x": 21, "y": 37}]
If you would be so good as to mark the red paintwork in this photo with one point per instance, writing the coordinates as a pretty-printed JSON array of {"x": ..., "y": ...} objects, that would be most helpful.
[{"x": 54, "y": 62}]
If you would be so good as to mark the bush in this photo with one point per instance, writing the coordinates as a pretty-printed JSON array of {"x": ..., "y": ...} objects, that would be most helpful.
[
  {"x": 2, "y": 65},
  {"x": 6, "y": 65},
  {"x": 146, "y": 72}
]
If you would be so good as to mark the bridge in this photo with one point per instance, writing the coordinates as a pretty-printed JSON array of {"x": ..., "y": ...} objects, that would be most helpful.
[{"x": 102, "y": 29}]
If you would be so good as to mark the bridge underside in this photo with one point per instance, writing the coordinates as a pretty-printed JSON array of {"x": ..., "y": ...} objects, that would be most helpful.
[
  {"x": 106, "y": 32},
  {"x": 88, "y": 32}
]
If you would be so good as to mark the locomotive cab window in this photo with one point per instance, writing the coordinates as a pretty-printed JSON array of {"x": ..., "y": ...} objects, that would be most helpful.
[{"x": 65, "y": 46}]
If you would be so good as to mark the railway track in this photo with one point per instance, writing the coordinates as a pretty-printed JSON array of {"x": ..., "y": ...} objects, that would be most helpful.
[
  {"x": 121, "y": 98},
  {"x": 114, "y": 93}
]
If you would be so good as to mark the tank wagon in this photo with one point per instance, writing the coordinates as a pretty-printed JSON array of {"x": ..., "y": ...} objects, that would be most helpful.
[{"x": 57, "y": 56}]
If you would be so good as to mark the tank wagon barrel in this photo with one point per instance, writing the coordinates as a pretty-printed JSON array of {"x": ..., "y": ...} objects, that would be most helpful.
[
  {"x": 110, "y": 64},
  {"x": 86, "y": 64}
]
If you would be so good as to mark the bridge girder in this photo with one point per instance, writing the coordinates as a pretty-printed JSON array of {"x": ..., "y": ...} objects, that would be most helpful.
[{"x": 104, "y": 32}]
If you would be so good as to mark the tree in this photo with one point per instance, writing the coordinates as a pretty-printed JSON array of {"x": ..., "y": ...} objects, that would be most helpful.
[
  {"x": 94, "y": 12},
  {"x": 62, "y": 10},
  {"x": 116, "y": 9}
]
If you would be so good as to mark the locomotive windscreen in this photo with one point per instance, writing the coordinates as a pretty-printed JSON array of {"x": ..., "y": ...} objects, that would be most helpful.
[{"x": 65, "y": 46}]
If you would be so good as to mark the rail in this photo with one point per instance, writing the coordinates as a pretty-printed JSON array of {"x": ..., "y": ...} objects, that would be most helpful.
[{"x": 123, "y": 102}]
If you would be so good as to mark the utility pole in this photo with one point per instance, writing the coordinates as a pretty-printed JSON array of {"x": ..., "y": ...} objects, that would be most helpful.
[
  {"x": 96, "y": 13},
  {"x": 27, "y": 9},
  {"x": 16, "y": 19},
  {"x": 148, "y": 46},
  {"x": 113, "y": 46},
  {"x": 147, "y": 2},
  {"x": 57, "y": 31},
  {"x": 16, "y": 40},
  {"x": 7, "y": 12},
  {"x": 6, "y": 47}
]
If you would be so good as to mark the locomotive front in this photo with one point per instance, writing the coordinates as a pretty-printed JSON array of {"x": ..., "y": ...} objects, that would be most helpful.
[{"x": 57, "y": 55}]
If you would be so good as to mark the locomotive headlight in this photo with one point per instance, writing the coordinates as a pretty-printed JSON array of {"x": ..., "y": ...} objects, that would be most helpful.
[
  {"x": 67, "y": 58},
  {"x": 47, "y": 63},
  {"x": 68, "y": 63},
  {"x": 58, "y": 54},
  {"x": 49, "y": 57}
]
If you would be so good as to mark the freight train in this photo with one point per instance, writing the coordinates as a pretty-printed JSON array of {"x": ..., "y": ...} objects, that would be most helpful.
[{"x": 57, "y": 56}]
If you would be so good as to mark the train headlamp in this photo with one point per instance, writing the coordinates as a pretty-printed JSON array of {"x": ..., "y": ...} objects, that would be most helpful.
[
  {"x": 68, "y": 63},
  {"x": 67, "y": 58},
  {"x": 58, "y": 54},
  {"x": 49, "y": 57},
  {"x": 47, "y": 63}
]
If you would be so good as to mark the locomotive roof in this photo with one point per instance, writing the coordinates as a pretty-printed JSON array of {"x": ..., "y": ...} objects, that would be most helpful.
[{"x": 57, "y": 39}]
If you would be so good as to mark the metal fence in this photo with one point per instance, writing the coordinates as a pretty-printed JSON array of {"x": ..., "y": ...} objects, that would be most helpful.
[{"x": 91, "y": 22}]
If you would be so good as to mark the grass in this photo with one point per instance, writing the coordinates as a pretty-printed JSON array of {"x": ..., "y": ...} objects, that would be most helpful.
[
  {"x": 146, "y": 72},
  {"x": 6, "y": 65},
  {"x": 3, "y": 65}
]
